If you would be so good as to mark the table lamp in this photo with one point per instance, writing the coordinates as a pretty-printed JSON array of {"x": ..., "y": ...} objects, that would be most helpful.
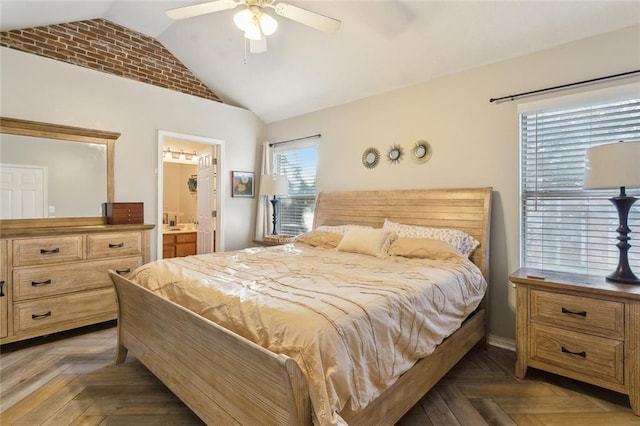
[
  {"x": 274, "y": 185},
  {"x": 616, "y": 165}
]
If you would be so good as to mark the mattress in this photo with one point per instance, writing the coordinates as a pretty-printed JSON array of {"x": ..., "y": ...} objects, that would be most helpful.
[{"x": 353, "y": 323}]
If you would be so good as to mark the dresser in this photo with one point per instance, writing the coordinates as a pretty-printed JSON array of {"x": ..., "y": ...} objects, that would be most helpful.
[
  {"x": 579, "y": 326},
  {"x": 56, "y": 278}
]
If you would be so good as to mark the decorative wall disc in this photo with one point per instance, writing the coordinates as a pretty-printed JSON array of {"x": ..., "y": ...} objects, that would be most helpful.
[
  {"x": 370, "y": 158},
  {"x": 421, "y": 152},
  {"x": 395, "y": 153}
]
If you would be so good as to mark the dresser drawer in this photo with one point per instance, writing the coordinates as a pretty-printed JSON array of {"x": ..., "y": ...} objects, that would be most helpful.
[
  {"x": 46, "y": 251},
  {"x": 591, "y": 356},
  {"x": 41, "y": 281},
  {"x": 595, "y": 316},
  {"x": 63, "y": 312},
  {"x": 114, "y": 245}
]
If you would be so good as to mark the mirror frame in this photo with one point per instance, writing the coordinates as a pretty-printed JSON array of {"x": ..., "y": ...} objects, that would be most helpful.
[{"x": 15, "y": 126}]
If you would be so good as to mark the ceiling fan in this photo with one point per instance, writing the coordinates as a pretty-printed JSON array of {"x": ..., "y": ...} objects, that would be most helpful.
[{"x": 254, "y": 21}]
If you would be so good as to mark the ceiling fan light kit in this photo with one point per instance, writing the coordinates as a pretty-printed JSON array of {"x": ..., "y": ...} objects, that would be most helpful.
[{"x": 254, "y": 22}]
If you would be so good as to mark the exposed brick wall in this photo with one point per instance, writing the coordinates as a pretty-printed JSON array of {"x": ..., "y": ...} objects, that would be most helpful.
[{"x": 104, "y": 46}]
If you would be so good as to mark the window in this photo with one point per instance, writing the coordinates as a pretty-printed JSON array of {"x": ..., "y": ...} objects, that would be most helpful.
[
  {"x": 564, "y": 227},
  {"x": 298, "y": 162}
]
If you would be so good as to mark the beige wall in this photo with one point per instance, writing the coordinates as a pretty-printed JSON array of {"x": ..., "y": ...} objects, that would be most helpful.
[
  {"x": 42, "y": 89},
  {"x": 475, "y": 143}
]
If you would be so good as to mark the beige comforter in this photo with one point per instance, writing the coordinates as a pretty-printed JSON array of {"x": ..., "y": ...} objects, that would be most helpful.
[{"x": 353, "y": 323}]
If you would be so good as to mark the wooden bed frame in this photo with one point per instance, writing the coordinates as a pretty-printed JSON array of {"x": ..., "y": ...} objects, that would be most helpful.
[{"x": 226, "y": 379}]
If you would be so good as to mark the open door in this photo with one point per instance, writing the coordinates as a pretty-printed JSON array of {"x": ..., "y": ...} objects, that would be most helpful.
[{"x": 206, "y": 201}]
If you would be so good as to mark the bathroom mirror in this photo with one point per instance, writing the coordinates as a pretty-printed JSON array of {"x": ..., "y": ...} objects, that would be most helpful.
[{"x": 54, "y": 171}]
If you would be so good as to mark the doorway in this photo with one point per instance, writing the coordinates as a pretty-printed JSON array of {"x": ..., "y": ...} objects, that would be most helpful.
[
  {"x": 23, "y": 191},
  {"x": 186, "y": 201}
]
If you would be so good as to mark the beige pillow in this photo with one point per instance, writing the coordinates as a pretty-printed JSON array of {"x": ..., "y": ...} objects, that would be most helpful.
[
  {"x": 374, "y": 242},
  {"x": 319, "y": 239},
  {"x": 423, "y": 248}
]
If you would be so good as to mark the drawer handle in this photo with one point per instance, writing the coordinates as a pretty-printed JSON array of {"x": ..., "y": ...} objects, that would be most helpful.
[
  {"x": 117, "y": 245},
  {"x": 123, "y": 271},
  {"x": 582, "y": 354},
  {"x": 52, "y": 251},
  {"x": 41, "y": 316},
  {"x": 40, "y": 283},
  {"x": 580, "y": 313},
  {"x": 2, "y": 288}
]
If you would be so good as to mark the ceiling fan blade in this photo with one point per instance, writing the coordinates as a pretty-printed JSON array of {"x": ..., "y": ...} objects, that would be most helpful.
[
  {"x": 307, "y": 17},
  {"x": 202, "y": 9},
  {"x": 258, "y": 46}
]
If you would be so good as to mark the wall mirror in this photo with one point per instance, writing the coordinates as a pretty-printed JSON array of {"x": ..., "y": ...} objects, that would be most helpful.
[
  {"x": 421, "y": 152},
  {"x": 54, "y": 171},
  {"x": 370, "y": 158}
]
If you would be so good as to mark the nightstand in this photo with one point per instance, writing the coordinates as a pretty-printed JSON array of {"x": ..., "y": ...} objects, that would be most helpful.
[{"x": 579, "y": 326}]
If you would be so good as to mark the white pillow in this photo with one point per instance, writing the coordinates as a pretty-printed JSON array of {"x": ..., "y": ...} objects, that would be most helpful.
[
  {"x": 460, "y": 240},
  {"x": 374, "y": 242},
  {"x": 340, "y": 229}
]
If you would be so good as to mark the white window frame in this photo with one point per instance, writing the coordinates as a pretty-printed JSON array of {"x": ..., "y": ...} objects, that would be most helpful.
[
  {"x": 305, "y": 221},
  {"x": 598, "y": 254}
]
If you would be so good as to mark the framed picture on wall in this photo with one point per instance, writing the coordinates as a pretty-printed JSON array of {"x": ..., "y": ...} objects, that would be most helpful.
[{"x": 242, "y": 184}]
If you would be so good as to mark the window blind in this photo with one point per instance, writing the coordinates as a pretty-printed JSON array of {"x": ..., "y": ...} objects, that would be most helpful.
[
  {"x": 298, "y": 162},
  {"x": 564, "y": 227}
]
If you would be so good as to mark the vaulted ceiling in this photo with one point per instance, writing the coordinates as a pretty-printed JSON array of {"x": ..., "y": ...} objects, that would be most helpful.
[{"x": 381, "y": 46}]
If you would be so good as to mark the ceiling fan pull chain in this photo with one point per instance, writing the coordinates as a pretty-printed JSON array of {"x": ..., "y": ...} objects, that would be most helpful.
[{"x": 245, "y": 50}]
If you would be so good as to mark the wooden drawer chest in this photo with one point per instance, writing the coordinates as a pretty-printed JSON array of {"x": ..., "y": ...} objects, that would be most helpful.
[
  {"x": 57, "y": 278},
  {"x": 581, "y": 327},
  {"x": 124, "y": 213}
]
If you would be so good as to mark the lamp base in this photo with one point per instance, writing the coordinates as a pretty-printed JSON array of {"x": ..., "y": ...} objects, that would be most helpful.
[
  {"x": 274, "y": 203},
  {"x": 614, "y": 277},
  {"x": 623, "y": 273}
]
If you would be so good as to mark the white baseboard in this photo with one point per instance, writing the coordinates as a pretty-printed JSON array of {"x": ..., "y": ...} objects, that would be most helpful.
[{"x": 501, "y": 342}]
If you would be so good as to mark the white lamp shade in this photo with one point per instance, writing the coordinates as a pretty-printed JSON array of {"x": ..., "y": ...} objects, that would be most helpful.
[
  {"x": 274, "y": 185},
  {"x": 243, "y": 19},
  {"x": 613, "y": 165},
  {"x": 268, "y": 24},
  {"x": 253, "y": 33}
]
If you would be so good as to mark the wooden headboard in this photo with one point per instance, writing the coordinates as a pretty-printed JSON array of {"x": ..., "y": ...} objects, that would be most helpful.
[{"x": 467, "y": 209}]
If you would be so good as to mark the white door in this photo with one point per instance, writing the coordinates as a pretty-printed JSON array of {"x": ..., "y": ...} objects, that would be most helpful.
[
  {"x": 206, "y": 201},
  {"x": 22, "y": 191}
]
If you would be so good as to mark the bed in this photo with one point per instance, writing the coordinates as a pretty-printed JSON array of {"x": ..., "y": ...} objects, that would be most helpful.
[{"x": 228, "y": 379}]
